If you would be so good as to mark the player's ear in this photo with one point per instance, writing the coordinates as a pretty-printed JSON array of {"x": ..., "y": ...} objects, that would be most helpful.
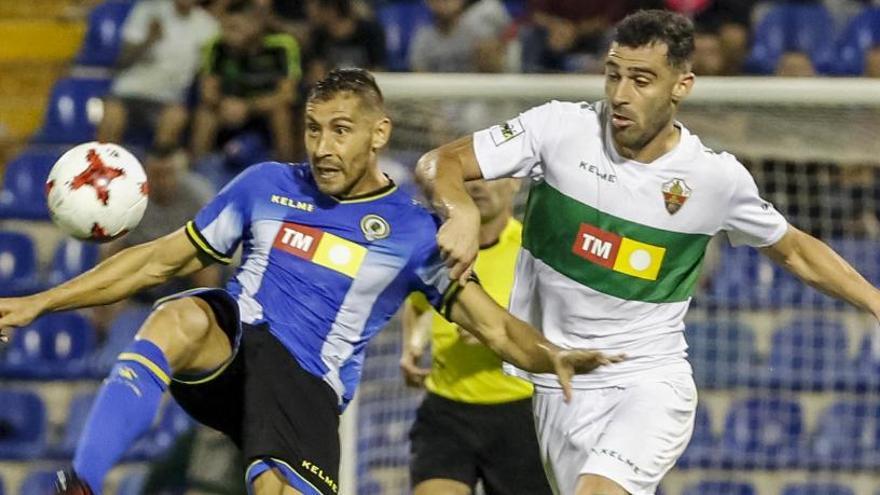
[
  {"x": 381, "y": 133},
  {"x": 683, "y": 86}
]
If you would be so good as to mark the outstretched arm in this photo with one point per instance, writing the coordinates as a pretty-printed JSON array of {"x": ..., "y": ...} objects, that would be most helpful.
[
  {"x": 416, "y": 324},
  {"x": 812, "y": 261},
  {"x": 116, "y": 278},
  {"x": 517, "y": 342},
  {"x": 442, "y": 173}
]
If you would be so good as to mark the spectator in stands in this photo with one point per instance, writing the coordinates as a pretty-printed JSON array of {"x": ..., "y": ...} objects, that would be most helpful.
[
  {"x": 249, "y": 82},
  {"x": 795, "y": 64},
  {"x": 730, "y": 22},
  {"x": 176, "y": 195},
  {"x": 340, "y": 36},
  {"x": 462, "y": 38},
  {"x": 872, "y": 62},
  {"x": 709, "y": 59},
  {"x": 160, "y": 57},
  {"x": 569, "y": 35}
]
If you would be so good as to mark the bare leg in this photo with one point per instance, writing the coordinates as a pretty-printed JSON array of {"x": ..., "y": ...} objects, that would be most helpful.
[
  {"x": 442, "y": 487},
  {"x": 113, "y": 123},
  {"x": 593, "y": 484},
  {"x": 273, "y": 483},
  {"x": 170, "y": 126}
]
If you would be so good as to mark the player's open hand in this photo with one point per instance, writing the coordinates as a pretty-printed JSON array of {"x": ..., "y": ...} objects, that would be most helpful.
[
  {"x": 17, "y": 312},
  {"x": 567, "y": 363},
  {"x": 458, "y": 240},
  {"x": 413, "y": 374}
]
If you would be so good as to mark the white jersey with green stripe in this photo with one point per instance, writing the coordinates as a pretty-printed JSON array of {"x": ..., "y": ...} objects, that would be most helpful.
[{"x": 612, "y": 248}]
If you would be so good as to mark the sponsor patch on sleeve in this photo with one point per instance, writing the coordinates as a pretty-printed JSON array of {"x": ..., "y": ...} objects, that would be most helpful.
[{"x": 506, "y": 131}]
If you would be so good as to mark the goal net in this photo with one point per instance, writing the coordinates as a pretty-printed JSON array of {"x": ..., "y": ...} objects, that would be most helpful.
[{"x": 789, "y": 379}]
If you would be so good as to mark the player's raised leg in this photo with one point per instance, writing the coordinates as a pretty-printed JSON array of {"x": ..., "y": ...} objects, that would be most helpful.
[
  {"x": 181, "y": 335},
  {"x": 442, "y": 487}
]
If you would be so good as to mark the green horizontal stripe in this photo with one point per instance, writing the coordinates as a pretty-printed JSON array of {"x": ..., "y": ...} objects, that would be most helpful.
[{"x": 552, "y": 223}]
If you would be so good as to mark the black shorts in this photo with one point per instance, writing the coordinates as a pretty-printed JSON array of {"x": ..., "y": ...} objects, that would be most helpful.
[
  {"x": 468, "y": 442},
  {"x": 280, "y": 415}
]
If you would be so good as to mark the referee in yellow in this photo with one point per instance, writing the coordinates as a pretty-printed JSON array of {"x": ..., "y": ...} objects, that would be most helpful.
[{"x": 475, "y": 423}]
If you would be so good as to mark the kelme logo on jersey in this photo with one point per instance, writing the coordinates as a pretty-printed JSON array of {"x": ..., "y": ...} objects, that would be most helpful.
[
  {"x": 617, "y": 253},
  {"x": 321, "y": 248}
]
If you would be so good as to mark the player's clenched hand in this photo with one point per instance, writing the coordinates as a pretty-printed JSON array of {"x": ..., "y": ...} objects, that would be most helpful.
[
  {"x": 567, "y": 363},
  {"x": 17, "y": 312},
  {"x": 458, "y": 239},
  {"x": 413, "y": 374}
]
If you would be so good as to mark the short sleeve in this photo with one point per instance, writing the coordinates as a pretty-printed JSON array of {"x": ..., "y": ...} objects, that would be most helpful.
[
  {"x": 137, "y": 24},
  {"x": 431, "y": 276},
  {"x": 513, "y": 149},
  {"x": 750, "y": 220},
  {"x": 219, "y": 226}
]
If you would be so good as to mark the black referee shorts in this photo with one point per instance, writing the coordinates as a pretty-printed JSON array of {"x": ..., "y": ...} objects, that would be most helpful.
[
  {"x": 469, "y": 442},
  {"x": 280, "y": 415}
]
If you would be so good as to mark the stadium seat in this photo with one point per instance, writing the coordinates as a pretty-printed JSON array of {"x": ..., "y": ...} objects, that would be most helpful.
[
  {"x": 721, "y": 352},
  {"x": 18, "y": 265},
  {"x": 74, "y": 109},
  {"x": 23, "y": 425},
  {"x": 77, "y": 414},
  {"x": 103, "y": 39},
  {"x": 38, "y": 483},
  {"x": 383, "y": 429},
  {"x": 173, "y": 421},
  {"x": 749, "y": 286},
  {"x": 24, "y": 184},
  {"x": 702, "y": 448},
  {"x": 122, "y": 331},
  {"x": 400, "y": 21},
  {"x": 860, "y": 35},
  {"x": 868, "y": 363},
  {"x": 762, "y": 432},
  {"x": 720, "y": 488},
  {"x": 847, "y": 436},
  {"x": 55, "y": 346},
  {"x": 810, "y": 354},
  {"x": 817, "y": 489},
  {"x": 72, "y": 257},
  {"x": 793, "y": 27}
]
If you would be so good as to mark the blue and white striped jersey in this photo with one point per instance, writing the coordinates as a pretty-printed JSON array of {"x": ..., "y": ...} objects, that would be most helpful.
[{"x": 325, "y": 274}]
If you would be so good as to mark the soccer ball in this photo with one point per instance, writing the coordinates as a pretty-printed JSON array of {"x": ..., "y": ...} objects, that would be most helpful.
[{"x": 97, "y": 191}]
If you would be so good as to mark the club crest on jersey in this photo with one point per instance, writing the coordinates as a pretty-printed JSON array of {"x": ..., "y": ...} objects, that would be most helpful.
[
  {"x": 505, "y": 132},
  {"x": 675, "y": 193},
  {"x": 375, "y": 227}
]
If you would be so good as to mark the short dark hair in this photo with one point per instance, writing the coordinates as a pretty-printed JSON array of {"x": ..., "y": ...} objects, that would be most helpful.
[
  {"x": 357, "y": 81},
  {"x": 646, "y": 27},
  {"x": 343, "y": 8}
]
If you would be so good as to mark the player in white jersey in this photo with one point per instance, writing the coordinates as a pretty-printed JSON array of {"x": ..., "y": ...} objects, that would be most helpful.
[{"x": 623, "y": 204}]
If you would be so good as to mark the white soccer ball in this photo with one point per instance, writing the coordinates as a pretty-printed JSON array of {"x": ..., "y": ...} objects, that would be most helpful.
[{"x": 97, "y": 191}]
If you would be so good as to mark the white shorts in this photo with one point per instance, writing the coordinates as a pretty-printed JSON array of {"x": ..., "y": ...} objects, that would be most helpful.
[{"x": 632, "y": 435}]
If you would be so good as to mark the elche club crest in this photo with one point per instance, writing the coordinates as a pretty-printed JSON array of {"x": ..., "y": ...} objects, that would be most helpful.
[{"x": 675, "y": 193}]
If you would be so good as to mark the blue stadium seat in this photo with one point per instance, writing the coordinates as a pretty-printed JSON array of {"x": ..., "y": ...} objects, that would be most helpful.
[
  {"x": 810, "y": 354},
  {"x": 793, "y": 27},
  {"x": 751, "y": 285},
  {"x": 383, "y": 433},
  {"x": 18, "y": 265},
  {"x": 24, "y": 184},
  {"x": 400, "y": 21},
  {"x": 721, "y": 352},
  {"x": 720, "y": 488},
  {"x": 103, "y": 39},
  {"x": 868, "y": 363},
  {"x": 23, "y": 423},
  {"x": 173, "y": 421},
  {"x": 74, "y": 110},
  {"x": 55, "y": 346},
  {"x": 817, "y": 489},
  {"x": 77, "y": 414},
  {"x": 762, "y": 432},
  {"x": 72, "y": 257},
  {"x": 860, "y": 35},
  {"x": 39, "y": 482},
  {"x": 122, "y": 331},
  {"x": 702, "y": 449},
  {"x": 847, "y": 436}
]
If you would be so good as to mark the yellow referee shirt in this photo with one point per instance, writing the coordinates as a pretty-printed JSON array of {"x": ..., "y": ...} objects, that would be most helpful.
[{"x": 462, "y": 369}]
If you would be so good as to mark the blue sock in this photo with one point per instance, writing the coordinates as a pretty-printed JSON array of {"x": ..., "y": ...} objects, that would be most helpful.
[{"x": 123, "y": 411}]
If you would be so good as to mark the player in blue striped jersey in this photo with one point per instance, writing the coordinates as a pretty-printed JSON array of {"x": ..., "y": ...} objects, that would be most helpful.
[{"x": 330, "y": 249}]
